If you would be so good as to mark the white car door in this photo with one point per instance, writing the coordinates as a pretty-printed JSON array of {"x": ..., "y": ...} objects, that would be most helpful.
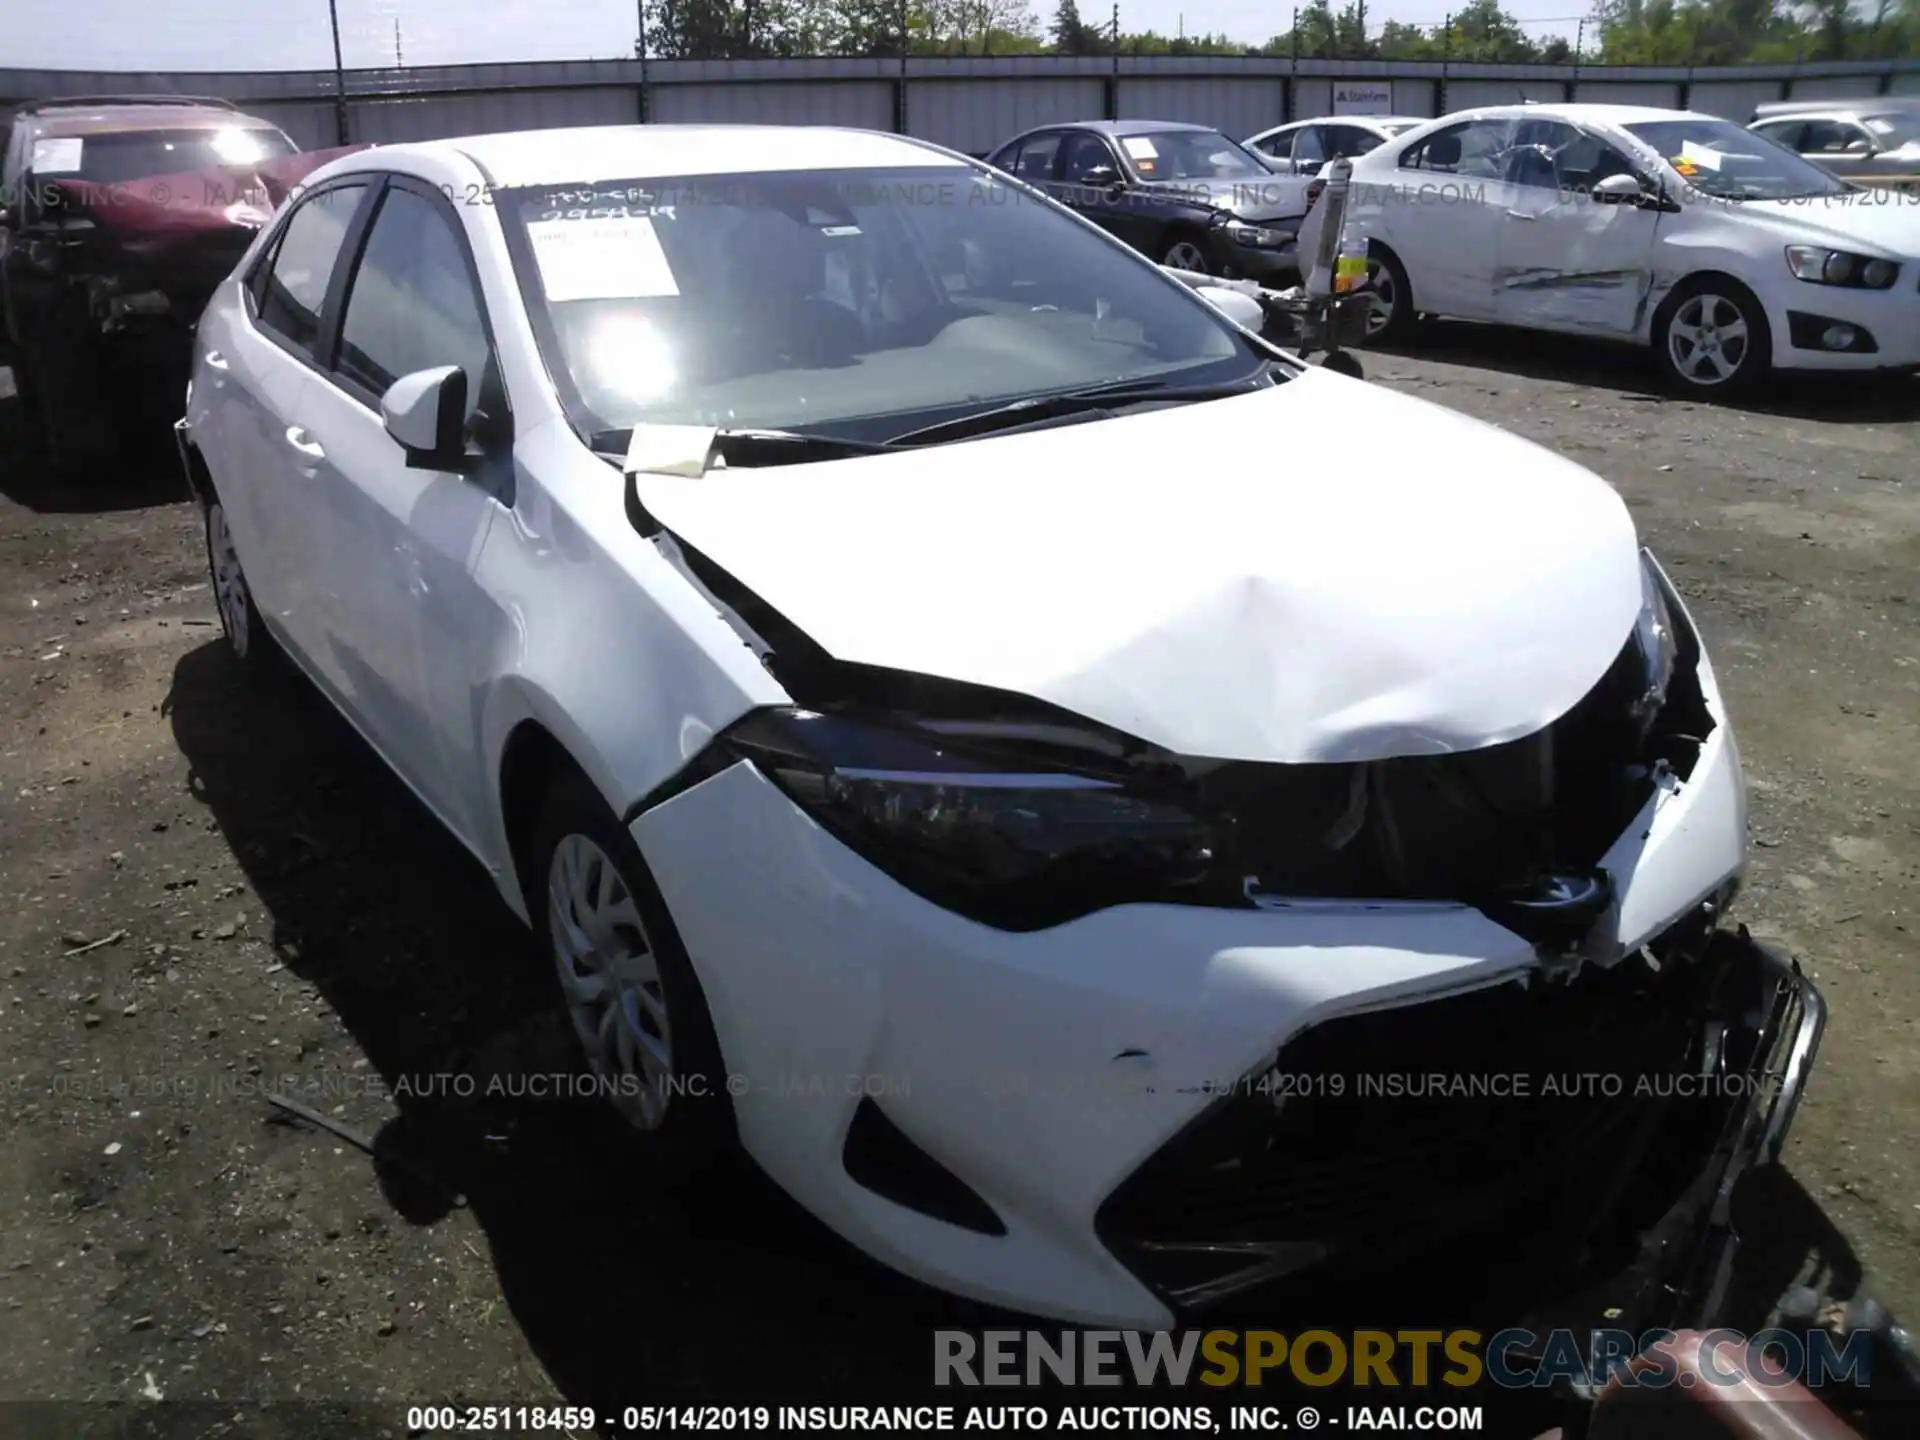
[
  {"x": 1566, "y": 260},
  {"x": 255, "y": 368},
  {"x": 1442, "y": 213},
  {"x": 409, "y": 626}
]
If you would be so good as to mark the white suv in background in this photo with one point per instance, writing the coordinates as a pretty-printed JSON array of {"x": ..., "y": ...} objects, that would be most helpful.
[
  {"x": 1723, "y": 252},
  {"x": 1302, "y": 147}
]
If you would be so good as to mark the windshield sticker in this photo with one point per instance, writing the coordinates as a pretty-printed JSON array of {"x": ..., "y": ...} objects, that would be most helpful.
[
  {"x": 1700, "y": 155},
  {"x": 1686, "y": 167},
  {"x": 604, "y": 257},
  {"x": 840, "y": 230},
  {"x": 1139, "y": 147},
  {"x": 57, "y": 157}
]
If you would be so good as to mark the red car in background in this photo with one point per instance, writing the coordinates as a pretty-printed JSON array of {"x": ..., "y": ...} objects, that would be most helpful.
[{"x": 118, "y": 217}]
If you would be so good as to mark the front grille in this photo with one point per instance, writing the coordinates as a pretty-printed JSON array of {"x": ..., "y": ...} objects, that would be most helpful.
[{"x": 1378, "y": 1137}]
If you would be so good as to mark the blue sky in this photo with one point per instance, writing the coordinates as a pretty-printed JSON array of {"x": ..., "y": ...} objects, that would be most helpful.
[{"x": 294, "y": 34}]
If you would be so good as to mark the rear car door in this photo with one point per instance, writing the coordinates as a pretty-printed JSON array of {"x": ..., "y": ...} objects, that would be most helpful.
[
  {"x": 255, "y": 363},
  {"x": 1444, "y": 215},
  {"x": 1565, "y": 260},
  {"x": 408, "y": 625}
]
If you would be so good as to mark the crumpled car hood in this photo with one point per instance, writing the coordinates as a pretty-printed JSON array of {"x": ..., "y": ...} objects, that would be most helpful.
[{"x": 1322, "y": 571}]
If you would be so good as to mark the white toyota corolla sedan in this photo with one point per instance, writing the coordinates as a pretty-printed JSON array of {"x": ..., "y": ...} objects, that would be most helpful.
[
  {"x": 1725, "y": 253},
  {"x": 856, "y": 610}
]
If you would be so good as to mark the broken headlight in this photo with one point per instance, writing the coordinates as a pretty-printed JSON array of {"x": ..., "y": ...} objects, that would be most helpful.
[
  {"x": 1012, "y": 845},
  {"x": 1654, "y": 638}
]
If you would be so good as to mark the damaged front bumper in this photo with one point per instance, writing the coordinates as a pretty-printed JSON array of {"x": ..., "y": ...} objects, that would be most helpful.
[{"x": 1567, "y": 1156}]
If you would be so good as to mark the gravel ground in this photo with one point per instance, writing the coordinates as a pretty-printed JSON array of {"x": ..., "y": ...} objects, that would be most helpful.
[{"x": 213, "y": 892}]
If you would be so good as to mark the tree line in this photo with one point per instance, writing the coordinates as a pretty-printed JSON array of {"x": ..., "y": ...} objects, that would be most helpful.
[{"x": 1620, "y": 32}]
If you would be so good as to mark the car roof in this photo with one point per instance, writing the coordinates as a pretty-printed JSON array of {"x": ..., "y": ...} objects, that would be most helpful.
[
  {"x": 1577, "y": 113},
  {"x": 585, "y": 155},
  {"x": 111, "y": 116},
  {"x": 1119, "y": 128},
  {"x": 1840, "y": 105}
]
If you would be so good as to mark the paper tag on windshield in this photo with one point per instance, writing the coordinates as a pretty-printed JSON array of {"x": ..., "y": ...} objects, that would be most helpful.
[
  {"x": 669, "y": 449},
  {"x": 1699, "y": 155},
  {"x": 57, "y": 157},
  {"x": 1139, "y": 147},
  {"x": 603, "y": 257}
]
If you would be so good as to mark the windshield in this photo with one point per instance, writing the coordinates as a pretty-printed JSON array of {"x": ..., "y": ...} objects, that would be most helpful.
[
  {"x": 115, "y": 158},
  {"x": 1891, "y": 132},
  {"x": 1190, "y": 155},
  {"x": 1728, "y": 162},
  {"x": 839, "y": 298}
]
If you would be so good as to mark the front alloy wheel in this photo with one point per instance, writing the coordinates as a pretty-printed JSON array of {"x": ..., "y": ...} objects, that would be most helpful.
[
  {"x": 1186, "y": 255},
  {"x": 1714, "y": 338},
  {"x": 610, "y": 980}
]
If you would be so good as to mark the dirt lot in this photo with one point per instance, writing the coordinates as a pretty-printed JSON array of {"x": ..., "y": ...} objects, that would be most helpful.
[{"x": 262, "y": 902}]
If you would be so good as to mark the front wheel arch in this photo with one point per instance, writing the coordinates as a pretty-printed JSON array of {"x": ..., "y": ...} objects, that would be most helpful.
[{"x": 1761, "y": 330}]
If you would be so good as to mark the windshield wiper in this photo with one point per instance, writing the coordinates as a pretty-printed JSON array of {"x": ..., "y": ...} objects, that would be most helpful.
[{"x": 1072, "y": 402}]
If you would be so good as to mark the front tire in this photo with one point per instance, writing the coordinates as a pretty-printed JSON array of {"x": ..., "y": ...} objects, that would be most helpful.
[
  {"x": 629, "y": 989},
  {"x": 1182, "y": 250},
  {"x": 1710, "y": 337},
  {"x": 251, "y": 643}
]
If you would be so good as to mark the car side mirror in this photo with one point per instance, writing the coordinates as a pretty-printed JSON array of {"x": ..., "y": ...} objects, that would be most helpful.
[
  {"x": 1618, "y": 190},
  {"x": 1101, "y": 177},
  {"x": 1861, "y": 146},
  {"x": 426, "y": 414}
]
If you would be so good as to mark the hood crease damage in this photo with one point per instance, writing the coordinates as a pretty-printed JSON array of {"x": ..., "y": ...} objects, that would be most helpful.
[{"x": 1515, "y": 829}]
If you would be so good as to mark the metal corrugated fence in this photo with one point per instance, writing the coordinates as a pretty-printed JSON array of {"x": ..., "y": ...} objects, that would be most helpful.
[{"x": 968, "y": 104}]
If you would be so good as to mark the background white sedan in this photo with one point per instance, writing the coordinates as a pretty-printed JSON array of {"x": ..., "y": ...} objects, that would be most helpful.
[{"x": 1725, "y": 254}]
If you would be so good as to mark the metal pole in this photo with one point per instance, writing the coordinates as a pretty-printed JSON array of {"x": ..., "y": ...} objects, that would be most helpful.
[
  {"x": 339, "y": 76},
  {"x": 640, "y": 16}
]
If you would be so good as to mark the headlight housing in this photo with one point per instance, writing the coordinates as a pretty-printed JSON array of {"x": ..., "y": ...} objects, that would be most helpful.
[
  {"x": 1819, "y": 266},
  {"x": 1263, "y": 237},
  {"x": 1018, "y": 846},
  {"x": 1658, "y": 646}
]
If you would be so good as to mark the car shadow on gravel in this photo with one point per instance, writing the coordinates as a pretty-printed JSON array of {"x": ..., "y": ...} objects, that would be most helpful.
[
  {"x": 625, "y": 1286},
  {"x": 1628, "y": 370},
  {"x": 146, "y": 474},
  {"x": 628, "y": 1288}
]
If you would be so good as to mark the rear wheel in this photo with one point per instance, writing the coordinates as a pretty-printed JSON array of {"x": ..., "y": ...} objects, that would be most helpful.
[
  {"x": 247, "y": 637},
  {"x": 1390, "y": 312}
]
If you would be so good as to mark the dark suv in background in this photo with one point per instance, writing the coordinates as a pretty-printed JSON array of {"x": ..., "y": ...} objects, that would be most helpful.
[{"x": 118, "y": 217}]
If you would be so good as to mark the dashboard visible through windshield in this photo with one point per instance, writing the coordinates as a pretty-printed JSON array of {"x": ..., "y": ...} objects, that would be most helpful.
[{"x": 854, "y": 300}]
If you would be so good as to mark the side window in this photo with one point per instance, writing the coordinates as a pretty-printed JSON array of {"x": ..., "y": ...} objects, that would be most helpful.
[
  {"x": 1472, "y": 147},
  {"x": 1309, "y": 147},
  {"x": 1035, "y": 160},
  {"x": 1279, "y": 144},
  {"x": 1351, "y": 141},
  {"x": 1829, "y": 137},
  {"x": 412, "y": 304},
  {"x": 1535, "y": 156},
  {"x": 293, "y": 283},
  {"x": 1084, "y": 153},
  {"x": 1785, "y": 132}
]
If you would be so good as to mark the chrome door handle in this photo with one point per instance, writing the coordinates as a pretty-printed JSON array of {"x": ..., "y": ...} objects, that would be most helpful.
[
  {"x": 304, "y": 443},
  {"x": 216, "y": 361}
]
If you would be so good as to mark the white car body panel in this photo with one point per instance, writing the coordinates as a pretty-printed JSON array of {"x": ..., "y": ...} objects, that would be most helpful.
[
  {"x": 1495, "y": 600},
  {"x": 1335, "y": 603},
  {"x": 1483, "y": 249}
]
